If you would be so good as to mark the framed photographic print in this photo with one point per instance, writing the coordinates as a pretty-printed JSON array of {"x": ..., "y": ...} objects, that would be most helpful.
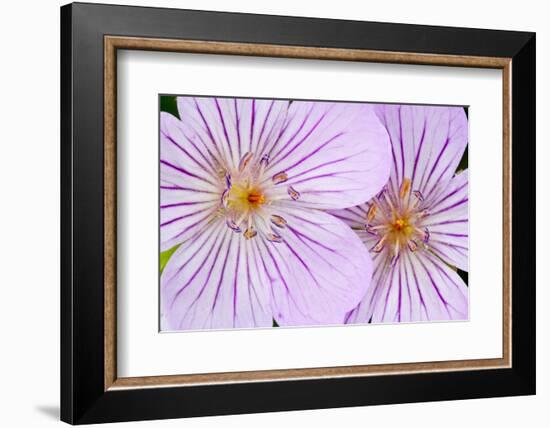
[{"x": 264, "y": 213}]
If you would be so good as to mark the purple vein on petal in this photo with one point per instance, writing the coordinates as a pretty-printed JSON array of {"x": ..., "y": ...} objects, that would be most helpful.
[
  {"x": 185, "y": 172},
  {"x": 207, "y": 217},
  {"x": 186, "y": 189},
  {"x": 306, "y": 157},
  {"x": 390, "y": 285},
  {"x": 413, "y": 270},
  {"x": 191, "y": 157},
  {"x": 237, "y": 126},
  {"x": 275, "y": 141},
  {"x": 392, "y": 152},
  {"x": 184, "y": 204},
  {"x": 430, "y": 154},
  {"x": 250, "y": 285},
  {"x": 222, "y": 121},
  {"x": 308, "y": 133},
  {"x": 420, "y": 144},
  {"x": 408, "y": 289},
  {"x": 456, "y": 204},
  {"x": 173, "y": 220},
  {"x": 438, "y": 180},
  {"x": 274, "y": 155},
  {"x": 218, "y": 287},
  {"x": 258, "y": 148},
  {"x": 206, "y": 281},
  {"x": 434, "y": 166},
  {"x": 339, "y": 174},
  {"x": 332, "y": 162},
  {"x": 448, "y": 195},
  {"x": 399, "y": 291},
  {"x": 442, "y": 223},
  {"x": 455, "y": 235},
  {"x": 319, "y": 225},
  {"x": 401, "y": 143},
  {"x": 199, "y": 268},
  {"x": 235, "y": 276},
  {"x": 194, "y": 239},
  {"x": 436, "y": 288},
  {"x": 281, "y": 277},
  {"x": 252, "y": 120},
  {"x": 208, "y": 130},
  {"x": 313, "y": 241}
]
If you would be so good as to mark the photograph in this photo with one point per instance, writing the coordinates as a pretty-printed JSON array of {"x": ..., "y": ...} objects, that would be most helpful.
[{"x": 277, "y": 213}]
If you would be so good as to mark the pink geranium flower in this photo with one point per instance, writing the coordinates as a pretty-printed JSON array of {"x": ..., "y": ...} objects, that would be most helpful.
[
  {"x": 416, "y": 229},
  {"x": 243, "y": 186}
]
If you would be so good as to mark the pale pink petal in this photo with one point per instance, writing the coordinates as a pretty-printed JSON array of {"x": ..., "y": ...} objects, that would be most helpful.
[
  {"x": 419, "y": 287},
  {"x": 318, "y": 273},
  {"x": 228, "y": 128},
  {"x": 448, "y": 222},
  {"x": 189, "y": 193},
  {"x": 335, "y": 155},
  {"x": 427, "y": 143},
  {"x": 213, "y": 281},
  {"x": 356, "y": 218}
]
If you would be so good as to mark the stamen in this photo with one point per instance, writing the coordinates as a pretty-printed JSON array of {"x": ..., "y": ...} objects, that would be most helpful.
[
  {"x": 278, "y": 221},
  {"x": 227, "y": 180},
  {"x": 413, "y": 246},
  {"x": 250, "y": 233},
  {"x": 293, "y": 193},
  {"x": 233, "y": 226},
  {"x": 372, "y": 230},
  {"x": 379, "y": 246},
  {"x": 279, "y": 178},
  {"x": 405, "y": 187},
  {"x": 371, "y": 213},
  {"x": 426, "y": 235},
  {"x": 264, "y": 161},
  {"x": 388, "y": 201},
  {"x": 418, "y": 195},
  {"x": 273, "y": 237},
  {"x": 245, "y": 160},
  {"x": 225, "y": 197},
  {"x": 423, "y": 213}
]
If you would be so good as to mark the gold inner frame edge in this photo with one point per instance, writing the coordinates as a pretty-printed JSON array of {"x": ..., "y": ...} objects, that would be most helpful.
[{"x": 113, "y": 43}]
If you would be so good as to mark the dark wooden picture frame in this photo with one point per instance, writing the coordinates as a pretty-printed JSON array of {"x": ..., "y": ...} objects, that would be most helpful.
[{"x": 90, "y": 389}]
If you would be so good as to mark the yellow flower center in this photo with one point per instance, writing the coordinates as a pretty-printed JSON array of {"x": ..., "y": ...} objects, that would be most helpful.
[
  {"x": 244, "y": 198},
  {"x": 396, "y": 218},
  {"x": 402, "y": 226}
]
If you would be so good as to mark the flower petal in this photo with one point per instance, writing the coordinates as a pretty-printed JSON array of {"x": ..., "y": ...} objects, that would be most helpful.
[
  {"x": 336, "y": 155},
  {"x": 448, "y": 222},
  {"x": 188, "y": 190},
  {"x": 427, "y": 143},
  {"x": 356, "y": 218},
  {"x": 419, "y": 287},
  {"x": 213, "y": 281},
  {"x": 228, "y": 128},
  {"x": 318, "y": 273}
]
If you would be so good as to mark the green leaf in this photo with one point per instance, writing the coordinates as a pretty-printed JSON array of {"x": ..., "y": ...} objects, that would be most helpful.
[
  {"x": 169, "y": 104},
  {"x": 165, "y": 256}
]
